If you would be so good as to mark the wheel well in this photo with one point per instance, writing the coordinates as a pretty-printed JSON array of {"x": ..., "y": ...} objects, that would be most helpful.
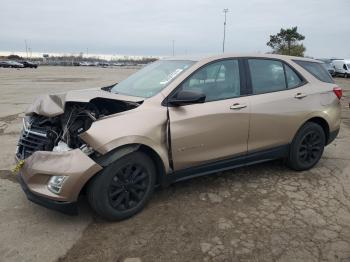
[
  {"x": 147, "y": 150},
  {"x": 157, "y": 162},
  {"x": 323, "y": 123}
]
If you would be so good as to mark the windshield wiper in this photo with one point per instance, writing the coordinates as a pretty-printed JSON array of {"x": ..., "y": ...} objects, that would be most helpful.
[{"x": 109, "y": 88}]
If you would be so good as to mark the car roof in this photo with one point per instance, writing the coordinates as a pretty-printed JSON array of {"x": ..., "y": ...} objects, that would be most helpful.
[
  {"x": 343, "y": 60},
  {"x": 197, "y": 58}
]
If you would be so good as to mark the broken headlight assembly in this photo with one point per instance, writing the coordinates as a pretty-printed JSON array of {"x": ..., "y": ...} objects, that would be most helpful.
[
  {"x": 55, "y": 184},
  {"x": 63, "y": 147}
]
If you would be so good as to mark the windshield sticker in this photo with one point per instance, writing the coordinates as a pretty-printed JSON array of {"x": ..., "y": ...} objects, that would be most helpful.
[{"x": 171, "y": 76}]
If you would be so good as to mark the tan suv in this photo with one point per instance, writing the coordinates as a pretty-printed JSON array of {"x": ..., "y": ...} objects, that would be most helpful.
[{"x": 174, "y": 119}]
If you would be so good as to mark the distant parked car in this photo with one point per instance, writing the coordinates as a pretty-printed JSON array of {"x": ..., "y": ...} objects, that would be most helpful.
[
  {"x": 3, "y": 63},
  {"x": 84, "y": 63},
  {"x": 103, "y": 64},
  {"x": 11, "y": 64},
  {"x": 327, "y": 63},
  {"x": 342, "y": 67},
  {"x": 29, "y": 64}
]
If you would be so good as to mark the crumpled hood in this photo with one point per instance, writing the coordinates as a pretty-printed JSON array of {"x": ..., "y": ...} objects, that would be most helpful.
[{"x": 51, "y": 105}]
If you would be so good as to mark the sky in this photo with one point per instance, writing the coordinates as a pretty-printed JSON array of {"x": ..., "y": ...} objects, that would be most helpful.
[{"x": 144, "y": 27}]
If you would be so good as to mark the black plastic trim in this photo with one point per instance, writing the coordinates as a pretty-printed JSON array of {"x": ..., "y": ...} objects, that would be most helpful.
[
  {"x": 69, "y": 208},
  {"x": 230, "y": 163}
]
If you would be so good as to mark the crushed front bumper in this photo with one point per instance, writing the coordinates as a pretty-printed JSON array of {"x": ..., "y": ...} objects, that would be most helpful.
[
  {"x": 42, "y": 165},
  {"x": 69, "y": 208}
]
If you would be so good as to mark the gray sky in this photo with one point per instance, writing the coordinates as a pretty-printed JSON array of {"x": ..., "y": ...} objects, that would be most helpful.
[{"x": 148, "y": 27}]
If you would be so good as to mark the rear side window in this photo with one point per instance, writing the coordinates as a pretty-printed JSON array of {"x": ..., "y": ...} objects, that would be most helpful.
[
  {"x": 266, "y": 75},
  {"x": 293, "y": 80},
  {"x": 316, "y": 69}
]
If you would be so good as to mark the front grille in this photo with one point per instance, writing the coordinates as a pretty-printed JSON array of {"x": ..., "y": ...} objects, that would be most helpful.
[{"x": 31, "y": 141}]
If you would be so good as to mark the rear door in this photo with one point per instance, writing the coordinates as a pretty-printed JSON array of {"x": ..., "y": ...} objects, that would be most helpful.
[
  {"x": 279, "y": 99},
  {"x": 218, "y": 128}
]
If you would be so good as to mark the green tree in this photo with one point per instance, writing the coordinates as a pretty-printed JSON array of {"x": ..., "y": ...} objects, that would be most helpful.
[{"x": 287, "y": 42}]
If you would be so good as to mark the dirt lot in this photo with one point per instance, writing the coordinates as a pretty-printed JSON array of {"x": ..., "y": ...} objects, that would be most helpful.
[{"x": 259, "y": 213}]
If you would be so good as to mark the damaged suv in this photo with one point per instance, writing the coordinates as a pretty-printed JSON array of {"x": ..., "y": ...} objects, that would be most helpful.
[{"x": 174, "y": 119}]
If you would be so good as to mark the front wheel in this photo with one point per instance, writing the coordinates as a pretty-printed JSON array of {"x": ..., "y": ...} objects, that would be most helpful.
[
  {"x": 307, "y": 147},
  {"x": 123, "y": 188}
]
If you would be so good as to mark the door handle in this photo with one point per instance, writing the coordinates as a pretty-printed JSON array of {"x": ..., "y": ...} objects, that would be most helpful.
[
  {"x": 237, "y": 106},
  {"x": 300, "y": 95}
]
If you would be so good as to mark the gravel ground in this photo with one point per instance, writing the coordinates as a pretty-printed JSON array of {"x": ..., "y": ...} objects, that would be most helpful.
[{"x": 264, "y": 212}]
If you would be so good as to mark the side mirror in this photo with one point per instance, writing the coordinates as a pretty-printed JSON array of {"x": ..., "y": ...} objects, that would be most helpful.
[{"x": 186, "y": 97}]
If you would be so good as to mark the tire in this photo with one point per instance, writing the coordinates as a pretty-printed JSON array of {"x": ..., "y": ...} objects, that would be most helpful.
[
  {"x": 345, "y": 75},
  {"x": 307, "y": 147},
  {"x": 123, "y": 188}
]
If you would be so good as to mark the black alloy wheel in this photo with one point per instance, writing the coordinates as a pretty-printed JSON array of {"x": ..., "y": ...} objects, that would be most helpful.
[
  {"x": 311, "y": 147},
  {"x": 123, "y": 188},
  {"x": 128, "y": 186},
  {"x": 307, "y": 147}
]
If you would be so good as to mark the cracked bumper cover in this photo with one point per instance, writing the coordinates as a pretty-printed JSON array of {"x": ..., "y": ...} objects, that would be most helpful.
[{"x": 42, "y": 165}]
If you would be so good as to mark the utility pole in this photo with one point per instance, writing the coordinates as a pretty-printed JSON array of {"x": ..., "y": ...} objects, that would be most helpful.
[
  {"x": 173, "y": 47},
  {"x": 223, "y": 42},
  {"x": 25, "y": 42}
]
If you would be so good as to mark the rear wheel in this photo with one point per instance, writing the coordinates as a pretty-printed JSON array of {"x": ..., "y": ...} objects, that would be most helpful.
[
  {"x": 307, "y": 147},
  {"x": 124, "y": 187}
]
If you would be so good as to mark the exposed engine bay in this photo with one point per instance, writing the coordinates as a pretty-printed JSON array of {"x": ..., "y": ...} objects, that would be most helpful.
[{"x": 61, "y": 133}]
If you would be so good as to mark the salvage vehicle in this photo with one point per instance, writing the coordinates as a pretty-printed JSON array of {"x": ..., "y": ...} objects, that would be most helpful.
[{"x": 175, "y": 119}]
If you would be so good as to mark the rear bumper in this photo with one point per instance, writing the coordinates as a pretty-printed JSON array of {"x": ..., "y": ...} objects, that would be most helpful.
[
  {"x": 69, "y": 208},
  {"x": 332, "y": 136}
]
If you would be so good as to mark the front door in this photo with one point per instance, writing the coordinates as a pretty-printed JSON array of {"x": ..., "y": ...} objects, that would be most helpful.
[{"x": 216, "y": 129}]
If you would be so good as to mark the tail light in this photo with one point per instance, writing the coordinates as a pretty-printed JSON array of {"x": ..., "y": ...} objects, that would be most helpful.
[{"x": 338, "y": 92}]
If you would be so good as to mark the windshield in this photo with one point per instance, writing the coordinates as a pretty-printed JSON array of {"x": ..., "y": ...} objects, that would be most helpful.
[{"x": 151, "y": 79}]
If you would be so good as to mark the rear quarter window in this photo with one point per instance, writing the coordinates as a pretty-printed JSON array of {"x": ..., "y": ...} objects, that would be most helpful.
[{"x": 316, "y": 69}]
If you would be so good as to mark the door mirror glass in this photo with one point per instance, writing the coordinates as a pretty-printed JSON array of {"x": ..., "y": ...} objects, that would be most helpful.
[{"x": 184, "y": 97}]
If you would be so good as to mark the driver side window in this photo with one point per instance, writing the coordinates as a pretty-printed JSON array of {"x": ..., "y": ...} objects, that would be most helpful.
[{"x": 219, "y": 80}]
